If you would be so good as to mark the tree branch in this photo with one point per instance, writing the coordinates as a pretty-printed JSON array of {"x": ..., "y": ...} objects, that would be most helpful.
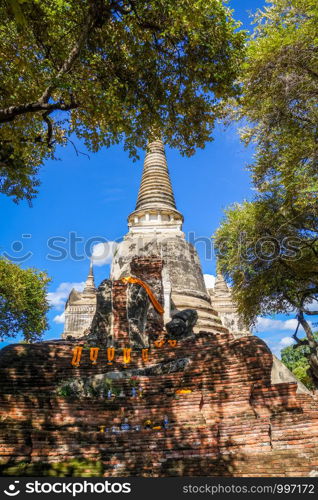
[
  {"x": 76, "y": 150},
  {"x": 10, "y": 113},
  {"x": 297, "y": 340},
  {"x": 73, "y": 55},
  {"x": 311, "y": 313},
  {"x": 311, "y": 340},
  {"x": 48, "y": 121}
]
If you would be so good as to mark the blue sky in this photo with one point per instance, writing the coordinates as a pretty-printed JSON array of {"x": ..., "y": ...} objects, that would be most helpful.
[{"x": 91, "y": 198}]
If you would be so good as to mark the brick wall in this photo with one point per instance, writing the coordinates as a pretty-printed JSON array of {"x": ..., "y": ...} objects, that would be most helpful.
[
  {"x": 232, "y": 423},
  {"x": 149, "y": 270},
  {"x": 120, "y": 324}
]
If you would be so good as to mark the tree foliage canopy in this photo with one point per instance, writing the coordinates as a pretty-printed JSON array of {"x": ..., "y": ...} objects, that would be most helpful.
[
  {"x": 269, "y": 257},
  {"x": 280, "y": 82},
  {"x": 269, "y": 246},
  {"x": 297, "y": 361},
  {"x": 108, "y": 70},
  {"x": 23, "y": 303}
]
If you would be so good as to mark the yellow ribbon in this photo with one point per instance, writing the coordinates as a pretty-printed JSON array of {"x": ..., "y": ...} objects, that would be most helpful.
[
  {"x": 93, "y": 354},
  {"x": 154, "y": 301},
  {"x": 77, "y": 354},
  {"x": 110, "y": 354},
  {"x": 126, "y": 355},
  {"x": 144, "y": 354}
]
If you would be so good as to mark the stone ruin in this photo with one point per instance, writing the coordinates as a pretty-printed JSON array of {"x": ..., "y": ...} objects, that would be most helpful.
[
  {"x": 222, "y": 301},
  {"x": 80, "y": 308},
  {"x": 225, "y": 417},
  {"x": 124, "y": 314},
  {"x": 191, "y": 399}
]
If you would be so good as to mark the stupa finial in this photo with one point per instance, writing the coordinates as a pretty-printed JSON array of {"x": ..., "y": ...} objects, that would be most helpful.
[
  {"x": 90, "y": 283},
  {"x": 155, "y": 189},
  {"x": 220, "y": 285},
  {"x": 156, "y": 206}
]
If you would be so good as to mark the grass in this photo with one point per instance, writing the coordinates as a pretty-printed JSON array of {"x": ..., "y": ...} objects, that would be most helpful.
[{"x": 70, "y": 468}]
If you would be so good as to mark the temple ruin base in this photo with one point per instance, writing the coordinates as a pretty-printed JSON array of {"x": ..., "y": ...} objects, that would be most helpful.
[{"x": 225, "y": 418}]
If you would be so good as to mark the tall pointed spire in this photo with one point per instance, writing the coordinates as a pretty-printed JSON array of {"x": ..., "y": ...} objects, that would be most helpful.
[
  {"x": 90, "y": 283},
  {"x": 222, "y": 302},
  {"x": 155, "y": 207},
  {"x": 155, "y": 189},
  {"x": 220, "y": 286}
]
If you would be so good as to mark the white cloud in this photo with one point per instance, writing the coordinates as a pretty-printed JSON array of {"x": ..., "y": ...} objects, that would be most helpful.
[
  {"x": 60, "y": 318},
  {"x": 103, "y": 253},
  {"x": 265, "y": 324},
  {"x": 272, "y": 331},
  {"x": 286, "y": 341},
  {"x": 209, "y": 280},
  {"x": 57, "y": 299},
  {"x": 313, "y": 306},
  {"x": 277, "y": 344}
]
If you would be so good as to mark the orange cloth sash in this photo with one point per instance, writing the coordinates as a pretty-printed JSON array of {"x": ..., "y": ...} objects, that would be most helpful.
[{"x": 154, "y": 301}]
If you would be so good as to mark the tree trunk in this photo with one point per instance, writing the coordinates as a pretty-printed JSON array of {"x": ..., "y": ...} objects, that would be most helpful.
[{"x": 313, "y": 346}]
